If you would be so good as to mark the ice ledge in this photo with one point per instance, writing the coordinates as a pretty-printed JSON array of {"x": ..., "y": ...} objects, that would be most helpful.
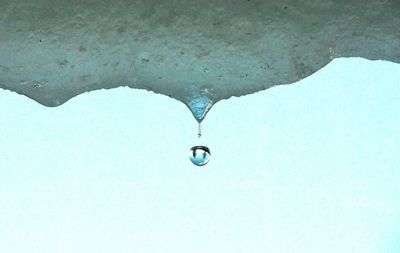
[{"x": 197, "y": 52}]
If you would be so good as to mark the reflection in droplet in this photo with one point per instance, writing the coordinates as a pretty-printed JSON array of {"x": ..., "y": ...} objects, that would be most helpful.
[{"x": 199, "y": 155}]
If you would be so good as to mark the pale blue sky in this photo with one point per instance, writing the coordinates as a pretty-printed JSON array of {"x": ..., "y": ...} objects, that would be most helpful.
[{"x": 309, "y": 167}]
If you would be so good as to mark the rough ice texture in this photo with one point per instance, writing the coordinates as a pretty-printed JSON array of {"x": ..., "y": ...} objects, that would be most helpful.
[{"x": 194, "y": 51}]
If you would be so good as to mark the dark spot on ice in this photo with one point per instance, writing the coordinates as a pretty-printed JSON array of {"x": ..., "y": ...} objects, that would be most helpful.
[
  {"x": 39, "y": 84},
  {"x": 121, "y": 30},
  {"x": 4, "y": 68},
  {"x": 84, "y": 78},
  {"x": 63, "y": 63}
]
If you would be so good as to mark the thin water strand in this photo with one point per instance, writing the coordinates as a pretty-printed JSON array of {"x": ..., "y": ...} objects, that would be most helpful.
[{"x": 199, "y": 132}]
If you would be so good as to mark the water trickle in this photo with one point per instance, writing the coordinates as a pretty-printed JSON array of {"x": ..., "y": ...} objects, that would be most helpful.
[
  {"x": 199, "y": 132},
  {"x": 199, "y": 155}
]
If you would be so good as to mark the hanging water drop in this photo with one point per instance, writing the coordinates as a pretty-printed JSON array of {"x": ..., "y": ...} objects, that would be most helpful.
[{"x": 199, "y": 155}]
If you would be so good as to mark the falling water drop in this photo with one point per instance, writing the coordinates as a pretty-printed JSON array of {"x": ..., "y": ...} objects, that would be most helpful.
[{"x": 199, "y": 155}]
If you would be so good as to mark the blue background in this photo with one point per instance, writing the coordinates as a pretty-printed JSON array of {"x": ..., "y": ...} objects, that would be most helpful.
[{"x": 309, "y": 167}]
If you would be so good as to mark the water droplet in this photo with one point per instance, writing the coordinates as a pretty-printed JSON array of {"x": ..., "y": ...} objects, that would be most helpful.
[{"x": 199, "y": 155}]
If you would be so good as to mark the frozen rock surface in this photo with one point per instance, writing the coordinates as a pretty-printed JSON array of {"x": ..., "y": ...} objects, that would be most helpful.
[{"x": 197, "y": 52}]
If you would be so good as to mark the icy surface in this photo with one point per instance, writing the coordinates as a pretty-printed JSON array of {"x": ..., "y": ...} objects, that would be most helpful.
[{"x": 197, "y": 52}]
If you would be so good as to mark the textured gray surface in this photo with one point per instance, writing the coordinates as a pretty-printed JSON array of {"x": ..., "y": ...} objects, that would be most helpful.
[{"x": 197, "y": 52}]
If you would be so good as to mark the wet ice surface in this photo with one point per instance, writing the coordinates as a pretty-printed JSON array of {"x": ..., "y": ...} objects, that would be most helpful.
[{"x": 311, "y": 167}]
